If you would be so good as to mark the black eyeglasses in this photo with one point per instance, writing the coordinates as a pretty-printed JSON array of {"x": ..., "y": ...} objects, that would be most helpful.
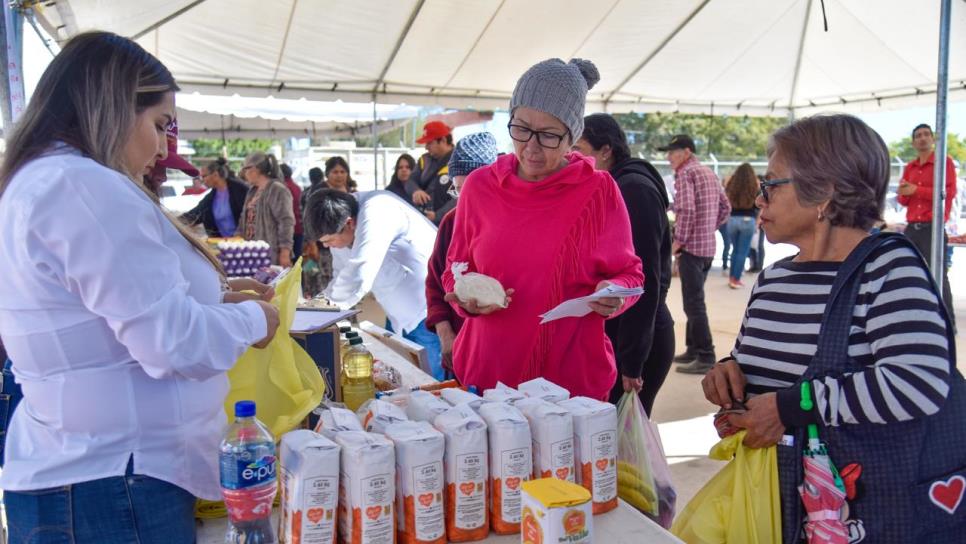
[
  {"x": 523, "y": 134},
  {"x": 765, "y": 184}
]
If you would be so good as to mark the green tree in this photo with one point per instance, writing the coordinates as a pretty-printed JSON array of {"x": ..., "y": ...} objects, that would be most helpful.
[
  {"x": 728, "y": 137},
  {"x": 234, "y": 150},
  {"x": 955, "y": 148}
]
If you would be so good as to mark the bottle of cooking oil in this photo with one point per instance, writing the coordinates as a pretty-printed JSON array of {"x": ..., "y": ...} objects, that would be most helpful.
[
  {"x": 344, "y": 348},
  {"x": 357, "y": 385}
]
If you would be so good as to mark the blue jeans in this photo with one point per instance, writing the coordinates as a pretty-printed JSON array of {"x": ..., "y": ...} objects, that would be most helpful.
[
  {"x": 10, "y": 395},
  {"x": 725, "y": 253},
  {"x": 428, "y": 339},
  {"x": 116, "y": 510},
  {"x": 741, "y": 228}
]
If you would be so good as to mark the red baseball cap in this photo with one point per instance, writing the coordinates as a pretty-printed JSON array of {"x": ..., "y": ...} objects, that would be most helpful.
[
  {"x": 434, "y": 130},
  {"x": 173, "y": 160}
]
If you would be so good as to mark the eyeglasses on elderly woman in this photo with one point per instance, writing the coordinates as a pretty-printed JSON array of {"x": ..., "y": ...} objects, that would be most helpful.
[
  {"x": 766, "y": 184},
  {"x": 524, "y": 134}
]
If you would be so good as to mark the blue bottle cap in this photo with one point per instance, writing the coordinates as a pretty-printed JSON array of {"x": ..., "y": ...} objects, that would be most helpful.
[{"x": 245, "y": 408}]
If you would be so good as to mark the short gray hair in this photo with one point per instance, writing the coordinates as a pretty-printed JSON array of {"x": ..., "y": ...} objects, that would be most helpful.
[{"x": 839, "y": 159}]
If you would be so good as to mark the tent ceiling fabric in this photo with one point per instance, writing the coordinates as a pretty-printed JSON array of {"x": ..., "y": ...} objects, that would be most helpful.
[{"x": 671, "y": 55}]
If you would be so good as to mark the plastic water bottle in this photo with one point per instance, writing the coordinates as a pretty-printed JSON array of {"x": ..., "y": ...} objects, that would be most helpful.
[{"x": 248, "y": 483}]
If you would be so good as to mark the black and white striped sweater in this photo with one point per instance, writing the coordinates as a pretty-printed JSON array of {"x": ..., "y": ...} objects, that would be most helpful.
[{"x": 897, "y": 334}]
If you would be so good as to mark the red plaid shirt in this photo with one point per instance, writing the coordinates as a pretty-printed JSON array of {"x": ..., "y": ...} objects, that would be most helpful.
[{"x": 700, "y": 206}]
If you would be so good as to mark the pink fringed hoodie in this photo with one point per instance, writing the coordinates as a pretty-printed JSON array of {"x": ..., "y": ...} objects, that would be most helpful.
[{"x": 550, "y": 241}]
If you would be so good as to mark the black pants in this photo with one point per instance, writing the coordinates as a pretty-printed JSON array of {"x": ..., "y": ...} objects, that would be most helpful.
[
  {"x": 694, "y": 271},
  {"x": 656, "y": 366},
  {"x": 920, "y": 234}
]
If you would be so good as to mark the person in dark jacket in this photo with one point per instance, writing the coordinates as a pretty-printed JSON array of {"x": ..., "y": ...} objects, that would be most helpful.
[
  {"x": 401, "y": 174},
  {"x": 430, "y": 182},
  {"x": 643, "y": 337},
  {"x": 220, "y": 209}
]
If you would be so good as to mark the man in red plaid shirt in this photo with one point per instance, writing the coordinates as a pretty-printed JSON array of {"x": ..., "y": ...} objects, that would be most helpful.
[{"x": 700, "y": 207}]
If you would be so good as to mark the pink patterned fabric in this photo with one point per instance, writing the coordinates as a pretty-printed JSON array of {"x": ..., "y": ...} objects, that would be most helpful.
[{"x": 700, "y": 207}]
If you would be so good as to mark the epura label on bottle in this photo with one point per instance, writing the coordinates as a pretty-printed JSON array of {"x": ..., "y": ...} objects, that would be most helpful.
[{"x": 247, "y": 470}]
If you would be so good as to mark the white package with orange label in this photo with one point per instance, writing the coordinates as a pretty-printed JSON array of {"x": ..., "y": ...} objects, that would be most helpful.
[
  {"x": 466, "y": 467},
  {"x": 310, "y": 488},
  {"x": 555, "y": 511},
  {"x": 425, "y": 406},
  {"x": 367, "y": 490},
  {"x": 419, "y": 482},
  {"x": 456, "y": 396},
  {"x": 552, "y": 429},
  {"x": 595, "y": 447},
  {"x": 377, "y": 414},
  {"x": 503, "y": 393},
  {"x": 544, "y": 389},
  {"x": 511, "y": 463}
]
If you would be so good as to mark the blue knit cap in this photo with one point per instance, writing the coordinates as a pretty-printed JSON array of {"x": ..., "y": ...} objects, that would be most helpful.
[{"x": 472, "y": 152}]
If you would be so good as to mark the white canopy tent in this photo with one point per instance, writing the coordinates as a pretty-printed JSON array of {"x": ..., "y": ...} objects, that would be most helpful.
[
  {"x": 761, "y": 57},
  {"x": 758, "y": 57},
  {"x": 245, "y": 117}
]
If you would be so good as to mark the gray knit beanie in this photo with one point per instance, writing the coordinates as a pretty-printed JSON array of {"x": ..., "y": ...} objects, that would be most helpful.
[{"x": 558, "y": 88}]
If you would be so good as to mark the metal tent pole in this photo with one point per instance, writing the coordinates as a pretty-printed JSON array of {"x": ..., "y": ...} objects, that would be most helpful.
[
  {"x": 939, "y": 168},
  {"x": 12, "y": 99},
  {"x": 375, "y": 146}
]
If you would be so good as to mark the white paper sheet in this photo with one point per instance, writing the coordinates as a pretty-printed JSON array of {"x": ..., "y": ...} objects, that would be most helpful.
[
  {"x": 313, "y": 320},
  {"x": 578, "y": 307}
]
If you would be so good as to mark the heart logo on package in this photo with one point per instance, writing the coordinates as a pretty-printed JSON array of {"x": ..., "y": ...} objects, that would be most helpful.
[
  {"x": 467, "y": 488},
  {"x": 563, "y": 472},
  {"x": 948, "y": 494},
  {"x": 513, "y": 483},
  {"x": 426, "y": 499},
  {"x": 602, "y": 464},
  {"x": 373, "y": 512},
  {"x": 315, "y": 515}
]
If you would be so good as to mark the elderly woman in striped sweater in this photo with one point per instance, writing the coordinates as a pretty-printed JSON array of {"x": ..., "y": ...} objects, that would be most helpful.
[{"x": 887, "y": 397}]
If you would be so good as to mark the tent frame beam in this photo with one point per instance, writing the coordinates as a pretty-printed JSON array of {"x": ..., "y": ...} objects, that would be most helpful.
[
  {"x": 476, "y": 42},
  {"x": 798, "y": 62},
  {"x": 281, "y": 50},
  {"x": 399, "y": 43},
  {"x": 656, "y": 51},
  {"x": 167, "y": 19}
]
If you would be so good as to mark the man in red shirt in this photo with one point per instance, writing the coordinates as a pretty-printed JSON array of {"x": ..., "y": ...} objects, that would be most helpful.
[{"x": 915, "y": 193}]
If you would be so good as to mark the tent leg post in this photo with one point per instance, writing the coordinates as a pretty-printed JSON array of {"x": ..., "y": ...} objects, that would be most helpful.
[{"x": 939, "y": 170}]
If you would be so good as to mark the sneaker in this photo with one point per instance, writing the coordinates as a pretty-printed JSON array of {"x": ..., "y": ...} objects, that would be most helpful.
[
  {"x": 698, "y": 366},
  {"x": 735, "y": 284},
  {"x": 686, "y": 357}
]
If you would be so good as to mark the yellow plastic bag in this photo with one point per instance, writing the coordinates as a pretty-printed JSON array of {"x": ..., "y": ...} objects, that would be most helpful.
[
  {"x": 740, "y": 504},
  {"x": 282, "y": 379}
]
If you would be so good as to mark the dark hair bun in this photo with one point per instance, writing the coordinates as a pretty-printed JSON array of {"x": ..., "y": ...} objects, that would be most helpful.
[{"x": 588, "y": 70}]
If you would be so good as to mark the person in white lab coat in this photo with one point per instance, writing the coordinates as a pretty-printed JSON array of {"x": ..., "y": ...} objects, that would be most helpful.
[
  {"x": 380, "y": 244},
  {"x": 113, "y": 314}
]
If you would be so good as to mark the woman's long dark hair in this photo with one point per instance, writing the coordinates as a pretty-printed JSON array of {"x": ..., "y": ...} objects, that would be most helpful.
[
  {"x": 742, "y": 187},
  {"x": 89, "y": 98},
  {"x": 395, "y": 171}
]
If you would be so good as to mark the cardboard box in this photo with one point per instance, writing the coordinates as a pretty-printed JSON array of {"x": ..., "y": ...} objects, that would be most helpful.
[{"x": 556, "y": 512}]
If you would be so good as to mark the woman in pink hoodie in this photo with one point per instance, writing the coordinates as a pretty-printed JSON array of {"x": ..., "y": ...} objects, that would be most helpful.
[{"x": 549, "y": 227}]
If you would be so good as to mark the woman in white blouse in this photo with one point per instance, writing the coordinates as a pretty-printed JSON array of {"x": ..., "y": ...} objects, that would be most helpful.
[{"x": 111, "y": 312}]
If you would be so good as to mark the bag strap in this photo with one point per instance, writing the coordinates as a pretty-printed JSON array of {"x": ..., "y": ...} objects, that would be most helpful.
[{"x": 833, "y": 340}]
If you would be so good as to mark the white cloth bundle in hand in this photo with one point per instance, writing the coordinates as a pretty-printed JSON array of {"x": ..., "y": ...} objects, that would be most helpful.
[{"x": 485, "y": 290}]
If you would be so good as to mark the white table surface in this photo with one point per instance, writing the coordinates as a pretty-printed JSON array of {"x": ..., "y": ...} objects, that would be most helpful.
[{"x": 623, "y": 525}]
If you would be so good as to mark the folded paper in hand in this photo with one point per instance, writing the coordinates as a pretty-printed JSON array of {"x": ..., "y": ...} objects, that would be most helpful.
[{"x": 578, "y": 307}]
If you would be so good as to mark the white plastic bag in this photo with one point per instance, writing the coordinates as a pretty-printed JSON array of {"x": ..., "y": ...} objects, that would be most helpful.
[{"x": 485, "y": 290}]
